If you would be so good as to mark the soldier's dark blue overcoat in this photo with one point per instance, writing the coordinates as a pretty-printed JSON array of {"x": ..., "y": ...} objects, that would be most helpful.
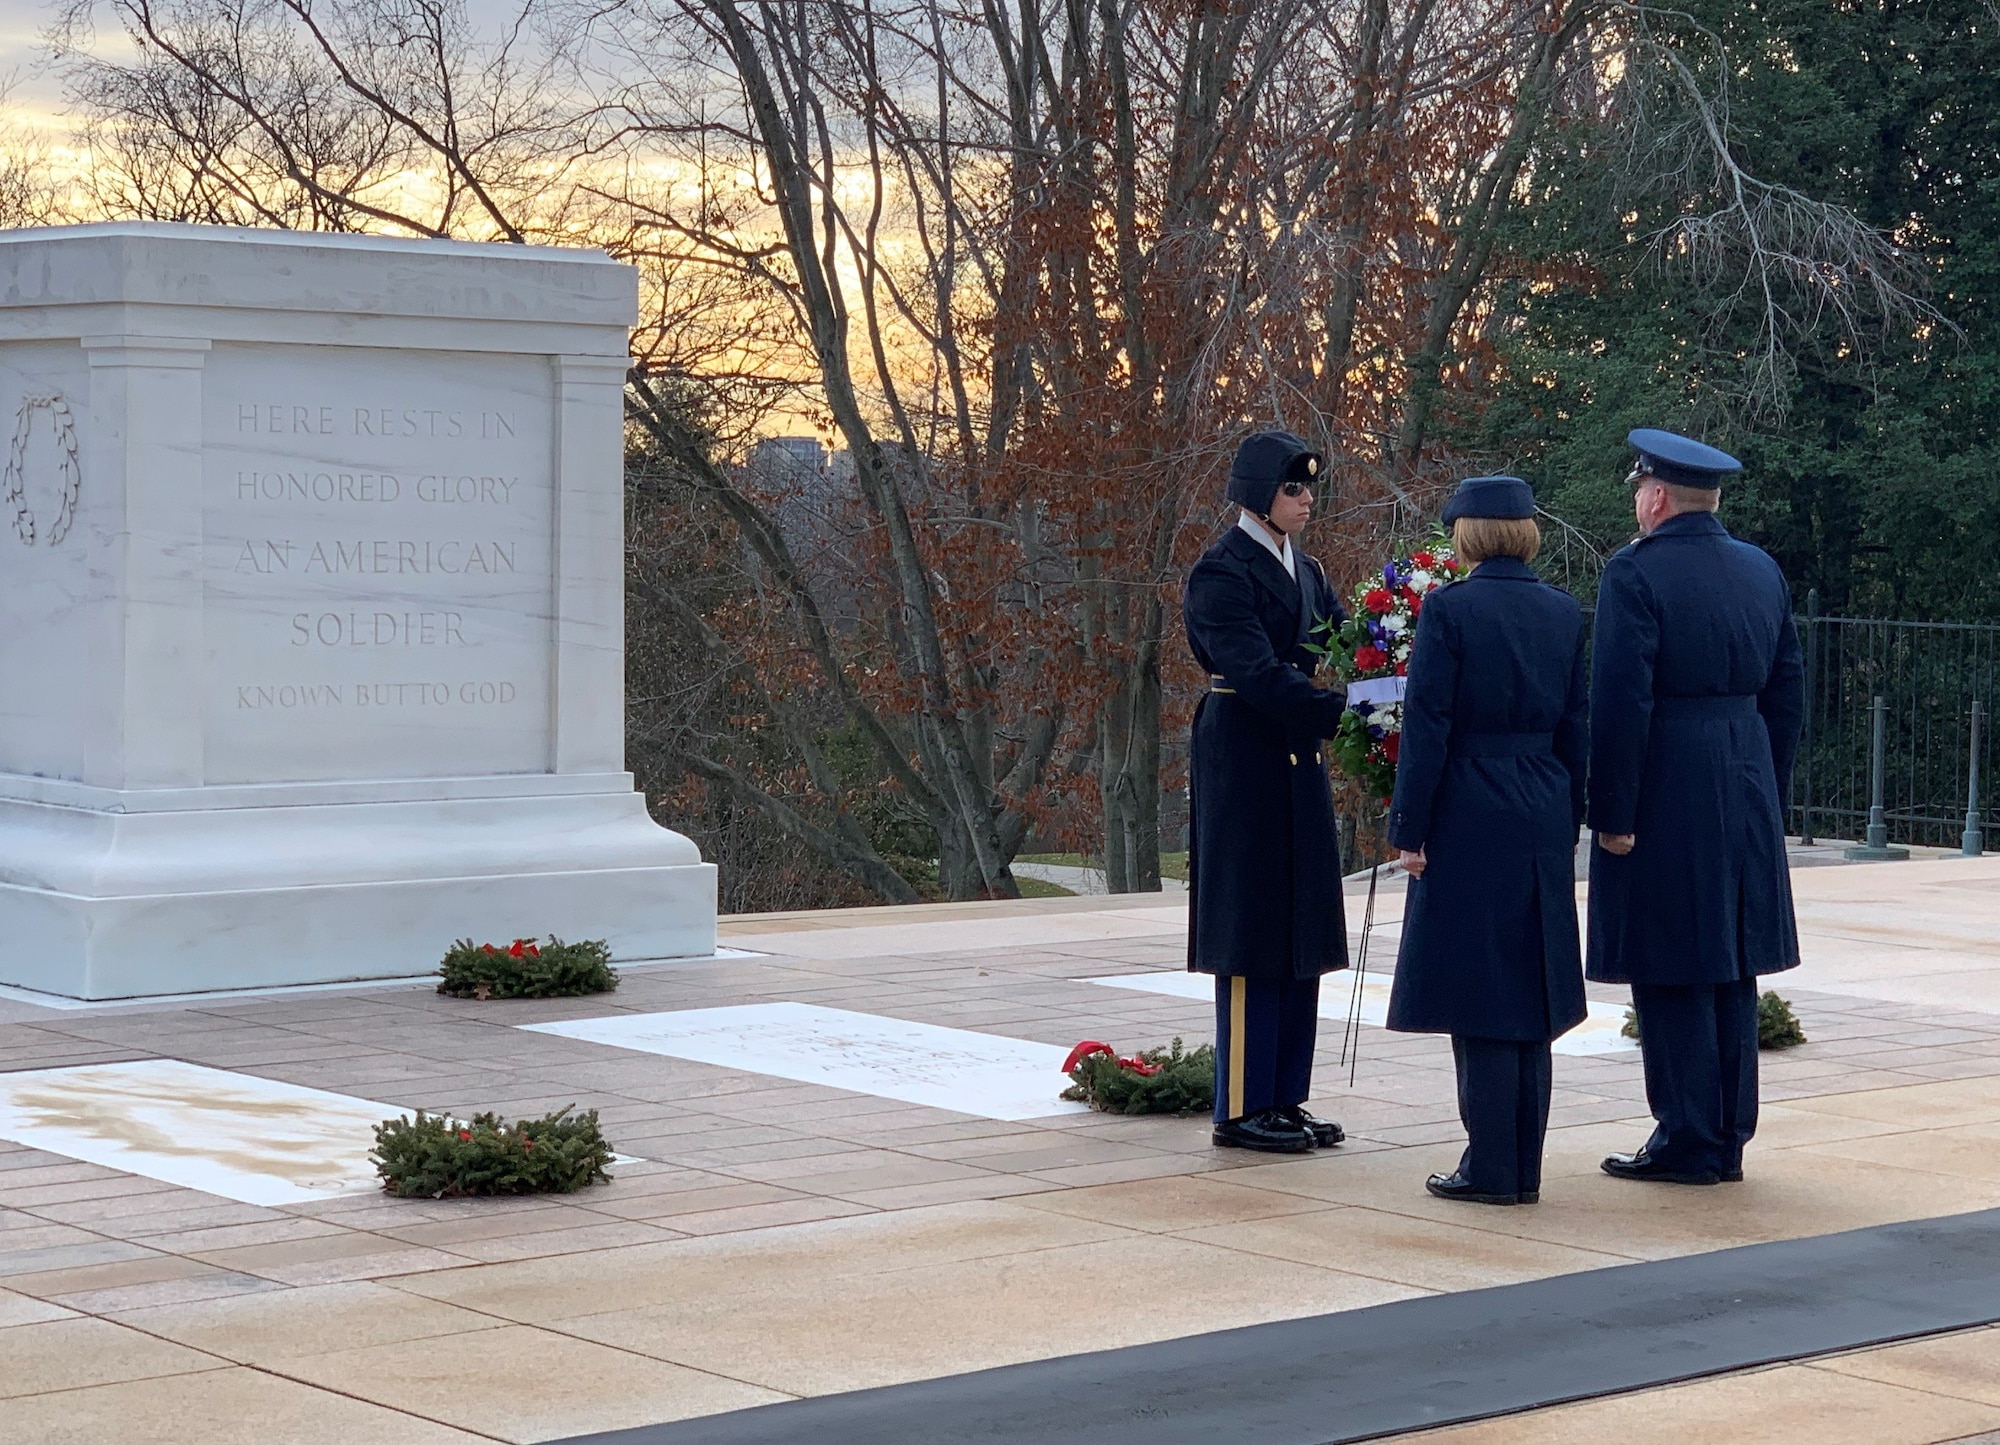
[
  {"x": 1697, "y": 693},
  {"x": 1264, "y": 854},
  {"x": 1490, "y": 784}
]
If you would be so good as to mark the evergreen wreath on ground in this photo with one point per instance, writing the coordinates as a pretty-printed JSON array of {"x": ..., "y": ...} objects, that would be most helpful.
[
  {"x": 1153, "y": 1081},
  {"x": 1777, "y": 1026},
  {"x": 431, "y": 1157},
  {"x": 526, "y": 969}
]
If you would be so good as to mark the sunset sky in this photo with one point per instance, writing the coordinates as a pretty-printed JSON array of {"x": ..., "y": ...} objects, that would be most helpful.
[{"x": 36, "y": 94}]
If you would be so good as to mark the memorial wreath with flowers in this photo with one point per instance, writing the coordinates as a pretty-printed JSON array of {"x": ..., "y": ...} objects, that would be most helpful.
[
  {"x": 527, "y": 969},
  {"x": 1370, "y": 653}
]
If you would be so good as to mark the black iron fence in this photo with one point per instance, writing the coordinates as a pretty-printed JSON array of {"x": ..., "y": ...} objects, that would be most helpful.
[{"x": 1929, "y": 675}]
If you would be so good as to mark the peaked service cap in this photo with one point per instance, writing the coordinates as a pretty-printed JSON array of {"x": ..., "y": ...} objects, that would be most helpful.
[
  {"x": 1505, "y": 498},
  {"x": 1681, "y": 460},
  {"x": 1264, "y": 461}
]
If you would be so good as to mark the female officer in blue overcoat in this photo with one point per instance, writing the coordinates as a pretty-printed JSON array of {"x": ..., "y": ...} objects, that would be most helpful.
[
  {"x": 1264, "y": 912},
  {"x": 1489, "y": 797}
]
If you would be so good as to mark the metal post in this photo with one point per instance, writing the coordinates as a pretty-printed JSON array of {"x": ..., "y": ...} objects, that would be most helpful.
[
  {"x": 1812, "y": 710},
  {"x": 1973, "y": 841},
  {"x": 1877, "y": 849}
]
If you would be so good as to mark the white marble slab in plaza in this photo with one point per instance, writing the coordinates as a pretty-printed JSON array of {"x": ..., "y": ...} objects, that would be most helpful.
[
  {"x": 245, "y": 1138},
  {"x": 969, "y": 1073},
  {"x": 312, "y": 611},
  {"x": 1599, "y": 1033}
]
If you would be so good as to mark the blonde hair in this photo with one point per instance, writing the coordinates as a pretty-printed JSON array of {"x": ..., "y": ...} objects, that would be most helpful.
[{"x": 1477, "y": 538}]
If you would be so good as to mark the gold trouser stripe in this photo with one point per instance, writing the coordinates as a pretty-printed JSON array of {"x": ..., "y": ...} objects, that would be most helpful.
[{"x": 1237, "y": 986}]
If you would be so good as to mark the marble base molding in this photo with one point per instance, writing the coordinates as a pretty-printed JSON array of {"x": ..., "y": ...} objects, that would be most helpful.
[
  {"x": 107, "y": 905},
  {"x": 313, "y": 658}
]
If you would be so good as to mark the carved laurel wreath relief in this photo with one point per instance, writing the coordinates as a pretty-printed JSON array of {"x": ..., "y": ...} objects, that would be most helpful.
[{"x": 16, "y": 490}]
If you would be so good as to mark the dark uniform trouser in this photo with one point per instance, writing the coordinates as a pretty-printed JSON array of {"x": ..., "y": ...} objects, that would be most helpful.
[
  {"x": 1265, "y": 1029},
  {"x": 1503, "y": 1101},
  {"x": 1699, "y": 1042}
]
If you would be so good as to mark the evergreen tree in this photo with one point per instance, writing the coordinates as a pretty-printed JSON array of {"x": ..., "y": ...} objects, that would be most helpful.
[{"x": 1874, "y": 462}]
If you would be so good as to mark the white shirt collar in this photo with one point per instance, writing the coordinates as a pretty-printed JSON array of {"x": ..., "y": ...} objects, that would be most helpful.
[{"x": 1282, "y": 552}]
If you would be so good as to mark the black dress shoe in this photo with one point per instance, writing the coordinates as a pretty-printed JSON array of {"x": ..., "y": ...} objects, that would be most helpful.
[
  {"x": 1643, "y": 1166},
  {"x": 1456, "y": 1186},
  {"x": 1271, "y": 1132},
  {"x": 1325, "y": 1133},
  {"x": 1731, "y": 1176}
]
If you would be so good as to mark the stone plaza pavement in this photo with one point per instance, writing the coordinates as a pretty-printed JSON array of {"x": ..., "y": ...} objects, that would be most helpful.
[{"x": 769, "y": 1239}]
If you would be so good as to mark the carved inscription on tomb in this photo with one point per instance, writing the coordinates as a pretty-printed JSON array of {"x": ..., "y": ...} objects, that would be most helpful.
[{"x": 377, "y": 559}]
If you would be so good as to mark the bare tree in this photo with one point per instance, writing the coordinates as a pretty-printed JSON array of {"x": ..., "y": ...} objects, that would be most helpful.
[
  {"x": 1032, "y": 266},
  {"x": 361, "y": 114},
  {"x": 30, "y": 192}
]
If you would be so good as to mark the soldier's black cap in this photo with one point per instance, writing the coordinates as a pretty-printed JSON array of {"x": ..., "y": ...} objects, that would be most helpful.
[
  {"x": 1505, "y": 498},
  {"x": 1265, "y": 461},
  {"x": 1680, "y": 460}
]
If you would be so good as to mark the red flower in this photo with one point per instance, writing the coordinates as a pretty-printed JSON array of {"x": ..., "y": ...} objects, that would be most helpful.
[
  {"x": 1424, "y": 560},
  {"x": 1376, "y": 599},
  {"x": 1370, "y": 657},
  {"x": 1402, "y": 669},
  {"x": 1410, "y": 596},
  {"x": 1084, "y": 1050},
  {"x": 1391, "y": 745}
]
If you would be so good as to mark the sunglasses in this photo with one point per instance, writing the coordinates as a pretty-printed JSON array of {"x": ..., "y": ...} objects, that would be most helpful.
[{"x": 1295, "y": 489}]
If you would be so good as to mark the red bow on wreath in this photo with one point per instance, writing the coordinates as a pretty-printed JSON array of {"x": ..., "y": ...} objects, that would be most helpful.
[{"x": 1091, "y": 1046}]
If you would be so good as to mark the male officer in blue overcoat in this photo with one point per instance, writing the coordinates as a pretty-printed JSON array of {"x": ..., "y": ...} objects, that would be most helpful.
[
  {"x": 1264, "y": 913},
  {"x": 1696, "y": 699}
]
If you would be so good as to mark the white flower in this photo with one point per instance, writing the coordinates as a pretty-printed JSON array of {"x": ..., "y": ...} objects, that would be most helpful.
[
  {"x": 1394, "y": 622},
  {"x": 1421, "y": 581}
]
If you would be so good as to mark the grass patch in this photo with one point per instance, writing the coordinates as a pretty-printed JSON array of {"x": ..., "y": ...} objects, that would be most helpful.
[
  {"x": 1172, "y": 865},
  {"x": 1042, "y": 888}
]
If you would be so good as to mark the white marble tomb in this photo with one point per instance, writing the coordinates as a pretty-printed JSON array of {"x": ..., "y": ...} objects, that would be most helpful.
[
  {"x": 246, "y": 1138},
  {"x": 311, "y": 611},
  {"x": 1599, "y": 1033},
  {"x": 989, "y": 1076}
]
